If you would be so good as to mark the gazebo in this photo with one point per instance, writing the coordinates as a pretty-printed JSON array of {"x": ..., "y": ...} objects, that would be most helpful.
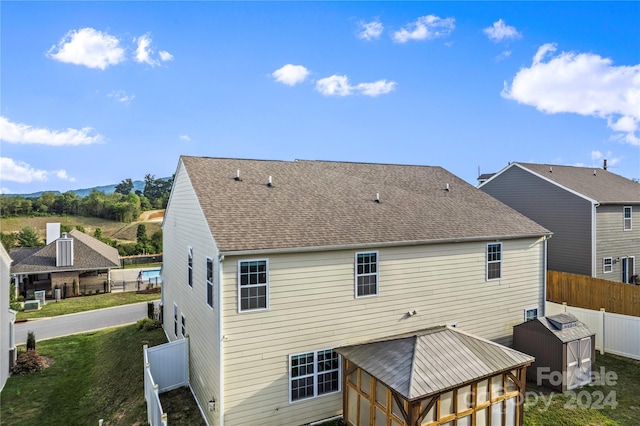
[{"x": 436, "y": 376}]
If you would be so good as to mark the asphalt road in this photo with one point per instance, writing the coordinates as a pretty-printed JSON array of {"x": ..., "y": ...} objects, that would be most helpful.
[{"x": 47, "y": 328}]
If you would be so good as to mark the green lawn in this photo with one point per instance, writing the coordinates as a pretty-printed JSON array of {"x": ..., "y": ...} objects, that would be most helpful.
[{"x": 86, "y": 303}]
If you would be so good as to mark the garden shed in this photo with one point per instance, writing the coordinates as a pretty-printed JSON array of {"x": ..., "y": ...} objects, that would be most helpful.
[
  {"x": 563, "y": 347},
  {"x": 437, "y": 376}
]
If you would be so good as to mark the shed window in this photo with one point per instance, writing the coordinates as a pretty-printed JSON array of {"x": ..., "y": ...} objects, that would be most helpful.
[
  {"x": 627, "y": 226},
  {"x": 494, "y": 261},
  {"x": 253, "y": 285},
  {"x": 313, "y": 374},
  {"x": 607, "y": 265},
  {"x": 210, "y": 282},
  {"x": 366, "y": 274},
  {"x": 190, "y": 266}
]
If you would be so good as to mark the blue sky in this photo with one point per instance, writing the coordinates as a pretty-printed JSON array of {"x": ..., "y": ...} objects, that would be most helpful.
[{"x": 96, "y": 92}]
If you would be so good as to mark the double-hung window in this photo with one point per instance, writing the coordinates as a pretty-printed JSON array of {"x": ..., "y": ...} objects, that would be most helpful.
[
  {"x": 627, "y": 225},
  {"x": 366, "y": 274},
  {"x": 607, "y": 265},
  {"x": 313, "y": 374},
  {"x": 253, "y": 285},
  {"x": 175, "y": 320},
  {"x": 183, "y": 328},
  {"x": 190, "y": 266},
  {"x": 210, "y": 282},
  {"x": 494, "y": 261}
]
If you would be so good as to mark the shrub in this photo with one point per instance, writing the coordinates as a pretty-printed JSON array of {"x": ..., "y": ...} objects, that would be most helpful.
[
  {"x": 31, "y": 341},
  {"x": 28, "y": 362},
  {"x": 148, "y": 324}
]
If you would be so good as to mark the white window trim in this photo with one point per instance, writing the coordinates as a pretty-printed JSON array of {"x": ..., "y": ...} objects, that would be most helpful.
[
  {"x": 487, "y": 262},
  {"x": 190, "y": 266},
  {"x": 531, "y": 309},
  {"x": 630, "y": 218},
  {"x": 239, "y": 286},
  {"x": 604, "y": 265},
  {"x": 209, "y": 283},
  {"x": 315, "y": 375},
  {"x": 175, "y": 320},
  {"x": 377, "y": 274},
  {"x": 183, "y": 325}
]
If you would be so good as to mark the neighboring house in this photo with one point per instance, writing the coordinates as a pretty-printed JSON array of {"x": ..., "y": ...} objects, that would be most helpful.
[
  {"x": 270, "y": 266},
  {"x": 67, "y": 258},
  {"x": 594, "y": 215},
  {"x": 7, "y": 319}
]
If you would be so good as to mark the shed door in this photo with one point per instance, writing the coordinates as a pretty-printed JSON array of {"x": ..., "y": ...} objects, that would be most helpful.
[{"x": 578, "y": 363}]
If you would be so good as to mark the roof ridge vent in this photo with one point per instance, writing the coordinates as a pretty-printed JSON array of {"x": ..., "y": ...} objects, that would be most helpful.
[{"x": 237, "y": 178}]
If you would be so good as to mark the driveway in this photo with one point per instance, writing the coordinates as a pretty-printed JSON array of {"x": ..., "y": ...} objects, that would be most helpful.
[{"x": 82, "y": 322}]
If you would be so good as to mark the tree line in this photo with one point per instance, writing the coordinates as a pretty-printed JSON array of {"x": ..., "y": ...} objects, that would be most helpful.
[{"x": 123, "y": 205}]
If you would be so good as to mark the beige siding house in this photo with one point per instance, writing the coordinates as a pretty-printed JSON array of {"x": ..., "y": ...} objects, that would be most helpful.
[
  {"x": 270, "y": 266},
  {"x": 594, "y": 215}
]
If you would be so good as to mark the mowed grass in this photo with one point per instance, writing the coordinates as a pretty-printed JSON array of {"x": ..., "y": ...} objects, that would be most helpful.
[
  {"x": 86, "y": 303},
  {"x": 615, "y": 400},
  {"x": 94, "y": 376}
]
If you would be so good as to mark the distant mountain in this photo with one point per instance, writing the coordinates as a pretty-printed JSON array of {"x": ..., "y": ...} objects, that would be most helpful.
[{"x": 138, "y": 185}]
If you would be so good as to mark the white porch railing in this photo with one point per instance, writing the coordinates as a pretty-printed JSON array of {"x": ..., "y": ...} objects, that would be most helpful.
[
  {"x": 166, "y": 367},
  {"x": 615, "y": 333}
]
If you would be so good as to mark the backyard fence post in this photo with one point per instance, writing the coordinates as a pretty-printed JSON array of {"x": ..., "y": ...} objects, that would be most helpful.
[{"x": 602, "y": 311}]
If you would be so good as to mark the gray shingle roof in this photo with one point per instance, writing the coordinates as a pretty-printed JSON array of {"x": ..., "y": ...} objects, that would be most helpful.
[
  {"x": 579, "y": 331},
  {"x": 603, "y": 186},
  {"x": 88, "y": 254},
  {"x": 332, "y": 204},
  {"x": 434, "y": 360}
]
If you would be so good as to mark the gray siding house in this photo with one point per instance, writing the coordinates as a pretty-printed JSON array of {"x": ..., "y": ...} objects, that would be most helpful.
[
  {"x": 271, "y": 266},
  {"x": 7, "y": 319},
  {"x": 594, "y": 215}
]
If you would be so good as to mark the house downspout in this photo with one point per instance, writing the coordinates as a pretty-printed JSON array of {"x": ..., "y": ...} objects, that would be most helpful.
[
  {"x": 220, "y": 343},
  {"x": 544, "y": 277}
]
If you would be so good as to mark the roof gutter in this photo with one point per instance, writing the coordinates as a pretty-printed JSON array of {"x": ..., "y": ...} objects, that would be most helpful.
[{"x": 381, "y": 244}]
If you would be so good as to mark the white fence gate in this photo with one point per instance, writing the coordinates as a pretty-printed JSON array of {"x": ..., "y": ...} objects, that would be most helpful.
[
  {"x": 615, "y": 333},
  {"x": 166, "y": 367}
]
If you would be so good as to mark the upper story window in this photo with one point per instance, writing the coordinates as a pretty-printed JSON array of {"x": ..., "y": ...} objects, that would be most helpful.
[
  {"x": 190, "y": 266},
  {"x": 175, "y": 320},
  {"x": 313, "y": 374},
  {"x": 210, "y": 282},
  {"x": 366, "y": 274},
  {"x": 607, "y": 265},
  {"x": 494, "y": 261},
  {"x": 253, "y": 285},
  {"x": 627, "y": 225},
  {"x": 183, "y": 328}
]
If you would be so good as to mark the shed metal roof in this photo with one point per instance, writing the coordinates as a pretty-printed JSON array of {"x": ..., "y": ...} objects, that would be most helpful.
[{"x": 432, "y": 361}]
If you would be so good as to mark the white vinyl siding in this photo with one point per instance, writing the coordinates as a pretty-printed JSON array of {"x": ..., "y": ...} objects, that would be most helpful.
[
  {"x": 494, "y": 261},
  {"x": 627, "y": 217},
  {"x": 209, "y": 279},
  {"x": 607, "y": 265},
  {"x": 253, "y": 285},
  {"x": 366, "y": 274},
  {"x": 312, "y": 305},
  {"x": 313, "y": 374}
]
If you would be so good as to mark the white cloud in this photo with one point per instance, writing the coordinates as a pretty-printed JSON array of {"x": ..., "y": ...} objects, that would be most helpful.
[
  {"x": 165, "y": 56},
  {"x": 380, "y": 87},
  {"x": 581, "y": 83},
  {"x": 144, "y": 50},
  {"x": 425, "y": 28},
  {"x": 19, "y": 171},
  {"x": 370, "y": 30},
  {"x": 500, "y": 31},
  {"x": 121, "y": 96},
  {"x": 185, "y": 138},
  {"x": 336, "y": 85},
  {"x": 290, "y": 74},
  {"x": 88, "y": 47},
  {"x": 503, "y": 55},
  {"x": 25, "y": 134}
]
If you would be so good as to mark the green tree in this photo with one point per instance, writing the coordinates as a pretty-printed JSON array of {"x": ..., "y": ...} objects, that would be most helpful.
[
  {"x": 141, "y": 234},
  {"x": 124, "y": 187},
  {"x": 97, "y": 234},
  {"x": 80, "y": 228},
  {"x": 8, "y": 240},
  {"x": 157, "y": 190},
  {"x": 65, "y": 228},
  {"x": 156, "y": 241},
  {"x": 28, "y": 237}
]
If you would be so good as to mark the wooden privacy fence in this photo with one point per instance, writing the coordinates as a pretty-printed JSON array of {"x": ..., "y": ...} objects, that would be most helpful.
[{"x": 592, "y": 293}]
